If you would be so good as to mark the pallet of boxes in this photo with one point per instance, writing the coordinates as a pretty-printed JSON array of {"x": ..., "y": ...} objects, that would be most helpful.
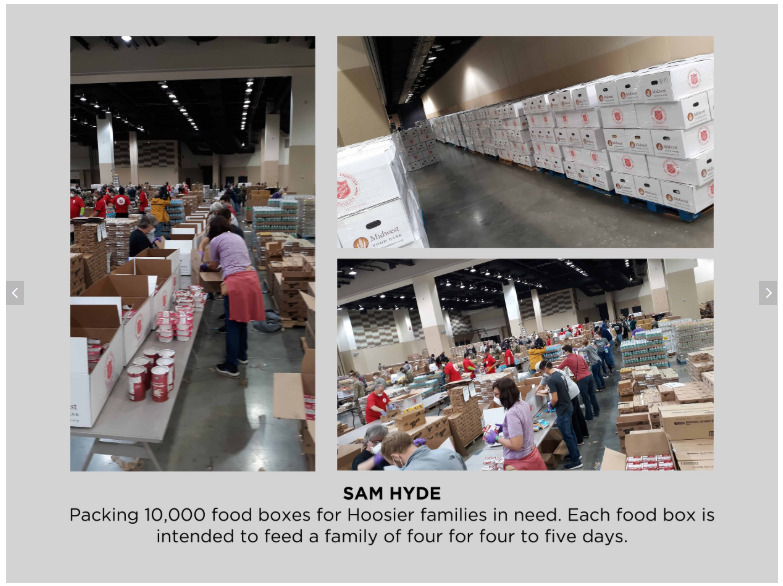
[
  {"x": 412, "y": 420},
  {"x": 286, "y": 280},
  {"x": 90, "y": 241},
  {"x": 464, "y": 414},
  {"x": 309, "y": 301},
  {"x": 77, "y": 274},
  {"x": 294, "y": 398}
]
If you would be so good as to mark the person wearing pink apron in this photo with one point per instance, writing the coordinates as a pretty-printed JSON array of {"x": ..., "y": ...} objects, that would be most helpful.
[{"x": 519, "y": 449}]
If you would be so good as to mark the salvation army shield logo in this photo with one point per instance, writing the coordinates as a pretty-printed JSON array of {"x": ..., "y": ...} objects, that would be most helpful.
[
  {"x": 671, "y": 168},
  {"x": 138, "y": 329},
  {"x": 658, "y": 115},
  {"x": 109, "y": 372},
  {"x": 361, "y": 243},
  {"x": 694, "y": 78},
  {"x": 121, "y": 201},
  {"x": 618, "y": 114},
  {"x": 585, "y": 118},
  {"x": 628, "y": 162},
  {"x": 347, "y": 189},
  {"x": 565, "y": 118},
  {"x": 572, "y": 153},
  {"x": 704, "y": 135},
  {"x": 594, "y": 157},
  {"x": 712, "y": 191}
]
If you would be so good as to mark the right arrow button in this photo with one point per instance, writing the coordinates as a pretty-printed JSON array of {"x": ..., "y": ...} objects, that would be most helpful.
[{"x": 768, "y": 292}]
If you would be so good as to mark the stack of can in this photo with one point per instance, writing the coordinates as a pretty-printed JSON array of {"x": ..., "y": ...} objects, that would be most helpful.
[
  {"x": 165, "y": 322},
  {"x": 152, "y": 371}
]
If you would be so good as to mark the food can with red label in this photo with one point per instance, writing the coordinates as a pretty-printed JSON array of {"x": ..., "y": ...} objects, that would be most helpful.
[
  {"x": 160, "y": 384},
  {"x": 152, "y": 354},
  {"x": 137, "y": 383},
  {"x": 166, "y": 353},
  {"x": 169, "y": 364}
]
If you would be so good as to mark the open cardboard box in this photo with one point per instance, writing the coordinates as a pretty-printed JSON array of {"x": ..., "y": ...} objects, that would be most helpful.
[
  {"x": 171, "y": 256},
  {"x": 690, "y": 421},
  {"x": 697, "y": 454},
  {"x": 210, "y": 280},
  {"x": 289, "y": 390},
  {"x": 118, "y": 291},
  {"x": 89, "y": 390},
  {"x": 346, "y": 455},
  {"x": 164, "y": 281},
  {"x": 185, "y": 243},
  {"x": 652, "y": 442}
]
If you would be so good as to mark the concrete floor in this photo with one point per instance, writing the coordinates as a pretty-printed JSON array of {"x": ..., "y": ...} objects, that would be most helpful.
[
  {"x": 472, "y": 201},
  {"x": 225, "y": 424}
]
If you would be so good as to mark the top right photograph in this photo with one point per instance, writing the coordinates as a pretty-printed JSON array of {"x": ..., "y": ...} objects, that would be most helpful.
[{"x": 525, "y": 142}]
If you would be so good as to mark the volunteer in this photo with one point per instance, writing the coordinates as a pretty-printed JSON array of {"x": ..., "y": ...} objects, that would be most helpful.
[
  {"x": 508, "y": 357},
  {"x": 489, "y": 364},
  {"x": 225, "y": 213},
  {"x": 225, "y": 199},
  {"x": 432, "y": 359},
  {"x": 596, "y": 362},
  {"x": 468, "y": 366},
  {"x": 99, "y": 210},
  {"x": 519, "y": 449},
  {"x": 600, "y": 345},
  {"x": 399, "y": 449},
  {"x": 368, "y": 457},
  {"x": 584, "y": 380},
  {"x": 120, "y": 203},
  {"x": 578, "y": 423},
  {"x": 158, "y": 209},
  {"x": 132, "y": 193},
  {"x": 632, "y": 324},
  {"x": 139, "y": 240},
  {"x": 377, "y": 401},
  {"x": 77, "y": 205},
  {"x": 243, "y": 289},
  {"x": 558, "y": 387},
  {"x": 359, "y": 390},
  {"x": 450, "y": 370},
  {"x": 144, "y": 203},
  {"x": 607, "y": 335}
]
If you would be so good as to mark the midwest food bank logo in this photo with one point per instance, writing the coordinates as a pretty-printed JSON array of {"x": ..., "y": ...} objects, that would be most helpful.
[{"x": 347, "y": 189}]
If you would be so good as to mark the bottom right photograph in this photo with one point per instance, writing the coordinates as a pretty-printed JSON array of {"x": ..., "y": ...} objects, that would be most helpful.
[{"x": 505, "y": 365}]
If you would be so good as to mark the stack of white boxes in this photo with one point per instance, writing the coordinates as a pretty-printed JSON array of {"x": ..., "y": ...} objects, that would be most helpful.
[
  {"x": 377, "y": 203},
  {"x": 511, "y": 134},
  {"x": 418, "y": 144},
  {"x": 548, "y": 153},
  {"x": 659, "y": 132}
]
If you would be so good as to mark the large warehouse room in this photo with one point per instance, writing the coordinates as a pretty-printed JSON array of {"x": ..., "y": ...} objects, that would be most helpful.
[
  {"x": 423, "y": 344},
  {"x": 192, "y": 181},
  {"x": 507, "y": 141}
]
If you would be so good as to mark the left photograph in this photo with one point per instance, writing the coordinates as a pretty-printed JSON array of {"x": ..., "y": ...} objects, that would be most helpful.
[{"x": 192, "y": 253}]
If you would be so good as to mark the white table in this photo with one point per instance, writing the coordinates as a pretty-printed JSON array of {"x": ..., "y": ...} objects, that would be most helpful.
[{"x": 137, "y": 424}]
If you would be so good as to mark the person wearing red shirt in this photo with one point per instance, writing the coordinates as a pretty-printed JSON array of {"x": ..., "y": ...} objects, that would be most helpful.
[
  {"x": 144, "y": 203},
  {"x": 549, "y": 341},
  {"x": 489, "y": 364},
  {"x": 77, "y": 205},
  {"x": 509, "y": 357},
  {"x": 584, "y": 380},
  {"x": 377, "y": 402},
  {"x": 451, "y": 371},
  {"x": 100, "y": 206},
  {"x": 468, "y": 366},
  {"x": 121, "y": 203}
]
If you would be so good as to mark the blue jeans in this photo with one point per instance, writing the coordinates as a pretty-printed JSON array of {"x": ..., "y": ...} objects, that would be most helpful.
[
  {"x": 567, "y": 431},
  {"x": 587, "y": 390},
  {"x": 619, "y": 339},
  {"x": 609, "y": 356},
  {"x": 236, "y": 338},
  {"x": 599, "y": 378},
  {"x": 158, "y": 229}
]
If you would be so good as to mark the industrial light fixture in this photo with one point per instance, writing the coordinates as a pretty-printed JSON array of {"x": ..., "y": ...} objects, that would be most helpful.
[
  {"x": 164, "y": 86},
  {"x": 402, "y": 296},
  {"x": 175, "y": 101},
  {"x": 462, "y": 286},
  {"x": 249, "y": 82},
  {"x": 83, "y": 99},
  {"x": 473, "y": 269},
  {"x": 248, "y": 90},
  {"x": 182, "y": 109},
  {"x": 487, "y": 274},
  {"x": 127, "y": 39},
  {"x": 432, "y": 58},
  {"x": 96, "y": 106},
  {"x": 383, "y": 296},
  {"x": 247, "y": 101},
  {"x": 245, "y": 106},
  {"x": 171, "y": 95},
  {"x": 352, "y": 272},
  {"x": 243, "y": 144},
  {"x": 448, "y": 284}
]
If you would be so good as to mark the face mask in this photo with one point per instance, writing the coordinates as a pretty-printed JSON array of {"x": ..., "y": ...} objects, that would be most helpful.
[
  {"x": 401, "y": 466},
  {"x": 376, "y": 449}
]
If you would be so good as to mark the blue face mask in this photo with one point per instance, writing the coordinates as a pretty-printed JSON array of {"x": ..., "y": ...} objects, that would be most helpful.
[{"x": 400, "y": 467}]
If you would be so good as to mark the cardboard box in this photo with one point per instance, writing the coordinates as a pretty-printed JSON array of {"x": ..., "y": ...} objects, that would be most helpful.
[
  {"x": 682, "y": 144},
  {"x": 711, "y": 99},
  {"x": 90, "y": 389},
  {"x": 572, "y": 154},
  {"x": 119, "y": 291},
  {"x": 185, "y": 243},
  {"x": 383, "y": 226},
  {"x": 593, "y": 138},
  {"x": 600, "y": 178},
  {"x": 684, "y": 114},
  {"x": 637, "y": 443},
  {"x": 629, "y": 163},
  {"x": 619, "y": 117},
  {"x": 687, "y": 197},
  {"x": 596, "y": 158},
  {"x": 677, "y": 80},
  {"x": 693, "y": 421},
  {"x": 698, "y": 171},
  {"x": 171, "y": 256},
  {"x": 648, "y": 189},
  {"x": 624, "y": 183},
  {"x": 163, "y": 295},
  {"x": 541, "y": 120},
  {"x": 346, "y": 455},
  {"x": 584, "y": 97},
  {"x": 561, "y": 136},
  {"x": 569, "y": 119},
  {"x": 289, "y": 393},
  {"x": 571, "y": 169},
  {"x": 616, "y": 139},
  {"x": 591, "y": 118},
  {"x": 694, "y": 455},
  {"x": 639, "y": 141}
]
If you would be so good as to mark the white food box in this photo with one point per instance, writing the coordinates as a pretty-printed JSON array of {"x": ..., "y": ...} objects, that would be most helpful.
[
  {"x": 648, "y": 189},
  {"x": 366, "y": 179},
  {"x": 384, "y": 226},
  {"x": 616, "y": 139},
  {"x": 539, "y": 147},
  {"x": 677, "y": 80},
  {"x": 629, "y": 87},
  {"x": 426, "y": 134},
  {"x": 542, "y": 120},
  {"x": 584, "y": 173},
  {"x": 606, "y": 91},
  {"x": 584, "y": 97},
  {"x": 571, "y": 169},
  {"x": 411, "y": 150},
  {"x": 689, "y": 198},
  {"x": 600, "y": 178},
  {"x": 561, "y": 135},
  {"x": 619, "y": 117},
  {"x": 590, "y": 118},
  {"x": 525, "y": 160},
  {"x": 574, "y": 137},
  {"x": 541, "y": 161},
  {"x": 593, "y": 138},
  {"x": 711, "y": 99},
  {"x": 599, "y": 159},
  {"x": 430, "y": 144},
  {"x": 572, "y": 154},
  {"x": 554, "y": 102},
  {"x": 699, "y": 170},
  {"x": 421, "y": 147},
  {"x": 639, "y": 141},
  {"x": 624, "y": 183},
  {"x": 557, "y": 164},
  {"x": 629, "y": 163},
  {"x": 554, "y": 151},
  {"x": 569, "y": 119},
  {"x": 525, "y": 148},
  {"x": 519, "y": 108},
  {"x": 542, "y": 103},
  {"x": 683, "y": 114},
  {"x": 683, "y": 144},
  {"x": 549, "y": 135},
  {"x": 565, "y": 98}
]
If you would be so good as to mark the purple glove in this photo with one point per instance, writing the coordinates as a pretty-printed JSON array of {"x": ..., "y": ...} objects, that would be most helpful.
[
  {"x": 549, "y": 404},
  {"x": 491, "y": 437},
  {"x": 202, "y": 255},
  {"x": 378, "y": 459},
  {"x": 158, "y": 239},
  {"x": 419, "y": 442},
  {"x": 500, "y": 428},
  {"x": 383, "y": 413},
  {"x": 204, "y": 267}
]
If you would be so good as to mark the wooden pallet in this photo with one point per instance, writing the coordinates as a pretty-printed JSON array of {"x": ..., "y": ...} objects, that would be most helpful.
[
  {"x": 526, "y": 168},
  {"x": 290, "y": 323}
]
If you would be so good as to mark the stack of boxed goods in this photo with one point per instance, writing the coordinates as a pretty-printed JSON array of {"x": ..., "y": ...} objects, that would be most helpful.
[
  {"x": 659, "y": 133},
  {"x": 694, "y": 335},
  {"x": 511, "y": 137},
  {"x": 377, "y": 203},
  {"x": 305, "y": 216},
  {"x": 276, "y": 218},
  {"x": 553, "y": 352},
  {"x": 269, "y": 247},
  {"x": 647, "y": 349},
  {"x": 667, "y": 327},
  {"x": 288, "y": 279},
  {"x": 78, "y": 284},
  {"x": 707, "y": 309},
  {"x": 118, "y": 240},
  {"x": 465, "y": 415},
  {"x": 699, "y": 362},
  {"x": 294, "y": 398},
  {"x": 418, "y": 144},
  {"x": 176, "y": 211},
  {"x": 691, "y": 431},
  {"x": 343, "y": 428},
  {"x": 483, "y": 384},
  {"x": 90, "y": 241}
]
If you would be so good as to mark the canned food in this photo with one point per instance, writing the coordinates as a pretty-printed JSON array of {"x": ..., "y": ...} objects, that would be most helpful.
[
  {"x": 166, "y": 353},
  {"x": 146, "y": 364},
  {"x": 160, "y": 384},
  {"x": 169, "y": 364},
  {"x": 137, "y": 383},
  {"x": 152, "y": 354}
]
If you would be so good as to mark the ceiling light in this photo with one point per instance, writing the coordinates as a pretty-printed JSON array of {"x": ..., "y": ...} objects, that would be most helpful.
[
  {"x": 352, "y": 272},
  {"x": 473, "y": 270},
  {"x": 127, "y": 39},
  {"x": 83, "y": 99},
  {"x": 462, "y": 286},
  {"x": 164, "y": 86},
  {"x": 486, "y": 274},
  {"x": 245, "y": 106},
  {"x": 431, "y": 58},
  {"x": 175, "y": 101},
  {"x": 243, "y": 144},
  {"x": 247, "y": 101},
  {"x": 383, "y": 296},
  {"x": 182, "y": 109},
  {"x": 190, "y": 119},
  {"x": 171, "y": 95},
  {"x": 96, "y": 106},
  {"x": 248, "y": 90},
  {"x": 402, "y": 296}
]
